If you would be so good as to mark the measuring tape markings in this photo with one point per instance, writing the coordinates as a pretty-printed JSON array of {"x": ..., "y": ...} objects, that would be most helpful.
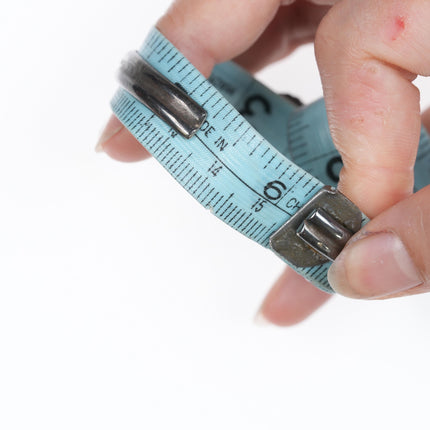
[
  {"x": 228, "y": 166},
  {"x": 302, "y": 133}
]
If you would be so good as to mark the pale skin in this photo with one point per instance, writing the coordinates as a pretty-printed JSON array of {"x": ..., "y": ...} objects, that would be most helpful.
[{"x": 368, "y": 54}]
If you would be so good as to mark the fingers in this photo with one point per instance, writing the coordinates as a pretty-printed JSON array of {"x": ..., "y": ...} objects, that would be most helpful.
[
  {"x": 291, "y": 300},
  {"x": 368, "y": 53},
  {"x": 119, "y": 143},
  {"x": 206, "y": 32},
  {"x": 291, "y": 27},
  {"x": 212, "y": 31},
  {"x": 390, "y": 257}
]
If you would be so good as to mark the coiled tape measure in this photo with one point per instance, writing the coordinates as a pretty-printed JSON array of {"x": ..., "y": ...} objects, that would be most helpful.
[{"x": 259, "y": 161}]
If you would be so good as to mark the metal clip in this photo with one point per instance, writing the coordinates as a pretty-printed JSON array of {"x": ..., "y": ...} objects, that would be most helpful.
[
  {"x": 319, "y": 230},
  {"x": 162, "y": 97}
]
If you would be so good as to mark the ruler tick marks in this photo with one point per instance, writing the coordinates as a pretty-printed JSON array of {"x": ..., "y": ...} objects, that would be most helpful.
[
  {"x": 284, "y": 172},
  {"x": 177, "y": 159},
  {"x": 250, "y": 140},
  {"x": 158, "y": 45},
  {"x": 220, "y": 110},
  {"x": 186, "y": 76},
  {"x": 172, "y": 58},
  {"x": 229, "y": 214},
  {"x": 239, "y": 138},
  {"x": 203, "y": 105},
  {"x": 201, "y": 192},
  {"x": 231, "y": 122},
  {"x": 196, "y": 89},
  {"x": 207, "y": 195},
  {"x": 190, "y": 179},
  {"x": 194, "y": 79},
  {"x": 155, "y": 48},
  {"x": 294, "y": 174},
  {"x": 145, "y": 132},
  {"x": 156, "y": 142},
  {"x": 194, "y": 183},
  {"x": 256, "y": 147},
  {"x": 201, "y": 184},
  {"x": 252, "y": 228},
  {"x": 236, "y": 213},
  {"x": 160, "y": 51},
  {"x": 238, "y": 219},
  {"x": 173, "y": 157},
  {"x": 307, "y": 183},
  {"x": 136, "y": 120},
  {"x": 163, "y": 148},
  {"x": 227, "y": 114},
  {"x": 152, "y": 138},
  {"x": 295, "y": 184},
  {"x": 206, "y": 90},
  {"x": 187, "y": 172},
  {"x": 226, "y": 200},
  {"x": 175, "y": 65},
  {"x": 166, "y": 54},
  {"x": 182, "y": 163},
  {"x": 247, "y": 224},
  {"x": 226, "y": 209},
  {"x": 265, "y": 152},
  {"x": 216, "y": 204},
  {"x": 215, "y": 103},
  {"x": 240, "y": 125},
  {"x": 153, "y": 37},
  {"x": 233, "y": 168},
  {"x": 253, "y": 232},
  {"x": 237, "y": 177},
  {"x": 240, "y": 225},
  {"x": 182, "y": 171},
  {"x": 261, "y": 234},
  {"x": 213, "y": 197},
  {"x": 311, "y": 190},
  {"x": 273, "y": 157},
  {"x": 167, "y": 154}
]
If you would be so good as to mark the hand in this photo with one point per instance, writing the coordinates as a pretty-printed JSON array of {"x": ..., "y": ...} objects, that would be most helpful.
[{"x": 368, "y": 53}]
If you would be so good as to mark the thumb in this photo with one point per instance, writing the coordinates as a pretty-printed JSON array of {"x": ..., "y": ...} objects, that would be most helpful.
[{"x": 390, "y": 256}]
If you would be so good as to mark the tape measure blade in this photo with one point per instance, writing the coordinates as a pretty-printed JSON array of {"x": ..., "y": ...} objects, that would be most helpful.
[
  {"x": 197, "y": 168},
  {"x": 228, "y": 166}
]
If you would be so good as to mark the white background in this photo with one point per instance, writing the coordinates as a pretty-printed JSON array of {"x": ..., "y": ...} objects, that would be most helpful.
[{"x": 123, "y": 304}]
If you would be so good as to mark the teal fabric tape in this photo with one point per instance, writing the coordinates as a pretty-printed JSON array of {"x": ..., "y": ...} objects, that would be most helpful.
[{"x": 257, "y": 159}]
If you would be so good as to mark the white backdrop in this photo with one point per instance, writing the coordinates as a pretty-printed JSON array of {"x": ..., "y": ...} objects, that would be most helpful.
[{"x": 124, "y": 304}]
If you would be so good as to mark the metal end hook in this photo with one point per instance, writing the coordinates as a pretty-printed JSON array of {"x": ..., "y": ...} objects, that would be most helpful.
[
  {"x": 165, "y": 99},
  {"x": 319, "y": 230}
]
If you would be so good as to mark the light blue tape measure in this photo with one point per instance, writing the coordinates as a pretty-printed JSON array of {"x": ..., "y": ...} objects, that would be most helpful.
[{"x": 229, "y": 142}]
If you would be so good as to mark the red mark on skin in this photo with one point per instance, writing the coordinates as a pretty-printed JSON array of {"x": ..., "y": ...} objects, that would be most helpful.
[{"x": 398, "y": 27}]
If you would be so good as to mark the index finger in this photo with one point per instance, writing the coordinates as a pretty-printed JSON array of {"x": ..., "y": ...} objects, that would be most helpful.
[{"x": 369, "y": 52}]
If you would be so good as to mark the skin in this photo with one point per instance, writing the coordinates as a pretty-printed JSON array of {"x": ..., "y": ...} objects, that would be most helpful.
[{"x": 368, "y": 54}]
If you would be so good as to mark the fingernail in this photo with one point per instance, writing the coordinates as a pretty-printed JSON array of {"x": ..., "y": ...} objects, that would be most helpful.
[
  {"x": 112, "y": 127},
  {"x": 261, "y": 320},
  {"x": 374, "y": 266}
]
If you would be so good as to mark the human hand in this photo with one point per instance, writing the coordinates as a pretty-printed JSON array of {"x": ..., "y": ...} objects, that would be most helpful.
[{"x": 373, "y": 112}]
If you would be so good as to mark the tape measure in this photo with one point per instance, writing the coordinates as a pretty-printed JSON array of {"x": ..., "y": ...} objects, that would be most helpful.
[{"x": 261, "y": 162}]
